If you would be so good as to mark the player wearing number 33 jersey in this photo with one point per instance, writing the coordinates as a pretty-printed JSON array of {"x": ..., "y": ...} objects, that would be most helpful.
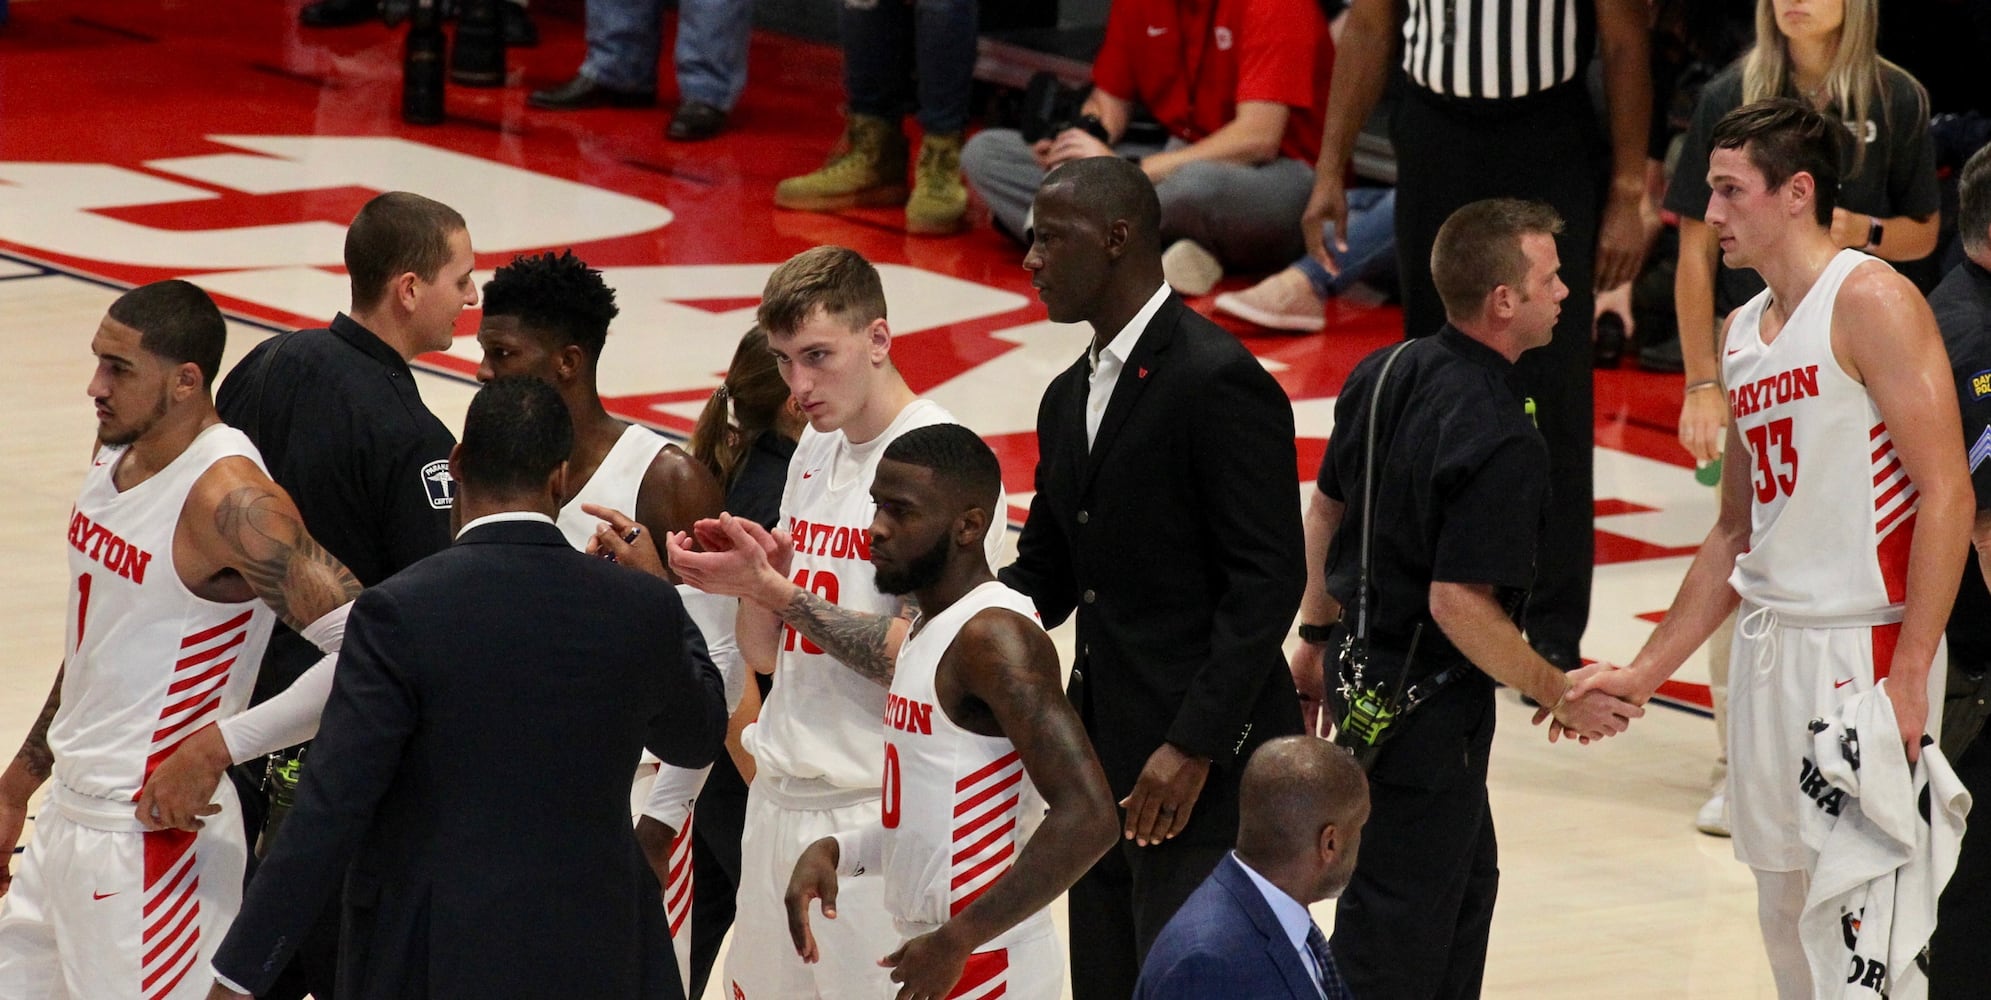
[{"x": 1844, "y": 516}]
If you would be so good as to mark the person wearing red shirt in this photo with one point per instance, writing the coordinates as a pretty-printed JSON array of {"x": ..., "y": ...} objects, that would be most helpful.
[{"x": 1240, "y": 86}]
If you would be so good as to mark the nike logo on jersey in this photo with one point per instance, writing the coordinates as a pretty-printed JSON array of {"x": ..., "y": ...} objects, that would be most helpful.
[
  {"x": 1836, "y": 685},
  {"x": 102, "y": 895},
  {"x": 1154, "y": 32},
  {"x": 809, "y": 473},
  {"x": 1734, "y": 351}
]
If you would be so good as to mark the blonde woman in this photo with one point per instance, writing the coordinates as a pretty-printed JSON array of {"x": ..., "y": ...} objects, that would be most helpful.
[{"x": 1821, "y": 52}]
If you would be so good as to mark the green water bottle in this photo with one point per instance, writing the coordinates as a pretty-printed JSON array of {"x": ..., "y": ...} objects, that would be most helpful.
[{"x": 1709, "y": 473}]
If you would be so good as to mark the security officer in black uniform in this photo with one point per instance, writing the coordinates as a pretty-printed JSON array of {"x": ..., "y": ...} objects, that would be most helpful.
[
  {"x": 342, "y": 427},
  {"x": 1459, "y": 481},
  {"x": 1962, "y": 304}
]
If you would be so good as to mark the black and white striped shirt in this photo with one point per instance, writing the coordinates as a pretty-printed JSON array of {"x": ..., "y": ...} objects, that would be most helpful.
[{"x": 1496, "y": 48}]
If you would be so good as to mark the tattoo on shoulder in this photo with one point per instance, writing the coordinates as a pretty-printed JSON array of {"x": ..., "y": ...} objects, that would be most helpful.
[
  {"x": 285, "y": 566},
  {"x": 856, "y": 639}
]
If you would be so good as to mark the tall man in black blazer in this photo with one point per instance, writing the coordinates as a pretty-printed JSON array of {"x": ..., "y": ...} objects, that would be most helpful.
[
  {"x": 1167, "y": 516},
  {"x": 472, "y": 766}
]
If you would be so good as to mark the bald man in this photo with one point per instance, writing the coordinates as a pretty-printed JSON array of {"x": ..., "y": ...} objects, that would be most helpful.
[
  {"x": 1173, "y": 538},
  {"x": 1246, "y": 931}
]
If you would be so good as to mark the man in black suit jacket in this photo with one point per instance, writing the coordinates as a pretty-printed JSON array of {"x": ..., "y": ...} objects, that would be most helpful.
[
  {"x": 472, "y": 766},
  {"x": 1167, "y": 515}
]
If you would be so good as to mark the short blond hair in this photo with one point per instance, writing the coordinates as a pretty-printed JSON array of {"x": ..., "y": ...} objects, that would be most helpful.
[{"x": 837, "y": 279}]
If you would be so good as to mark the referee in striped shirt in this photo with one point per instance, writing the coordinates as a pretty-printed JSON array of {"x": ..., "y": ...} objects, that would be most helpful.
[{"x": 1496, "y": 104}]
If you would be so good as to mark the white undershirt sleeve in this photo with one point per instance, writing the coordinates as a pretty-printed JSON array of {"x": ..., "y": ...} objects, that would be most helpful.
[{"x": 291, "y": 717}]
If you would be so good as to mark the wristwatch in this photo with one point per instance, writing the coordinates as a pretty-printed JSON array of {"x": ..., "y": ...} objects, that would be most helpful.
[
  {"x": 1873, "y": 233},
  {"x": 1314, "y": 635}
]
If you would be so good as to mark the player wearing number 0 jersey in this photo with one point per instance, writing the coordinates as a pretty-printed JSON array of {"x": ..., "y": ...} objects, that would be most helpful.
[
  {"x": 182, "y": 556},
  {"x": 547, "y": 316},
  {"x": 975, "y": 723},
  {"x": 1845, "y": 504}
]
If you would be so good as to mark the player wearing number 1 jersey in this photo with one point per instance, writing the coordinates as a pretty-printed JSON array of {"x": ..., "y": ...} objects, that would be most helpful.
[
  {"x": 980, "y": 742},
  {"x": 821, "y": 627},
  {"x": 1845, "y": 503},
  {"x": 183, "y": 554}
]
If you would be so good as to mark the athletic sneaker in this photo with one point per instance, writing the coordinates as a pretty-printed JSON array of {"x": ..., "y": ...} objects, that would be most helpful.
[
  {"x": 1190, "y": 269},
  {"x": 1284, "y": 301},
  {"x": 1713, "y": 817}
]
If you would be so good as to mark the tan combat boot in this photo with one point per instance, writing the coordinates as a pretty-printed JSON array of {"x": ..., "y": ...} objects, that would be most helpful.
[
  {"x": 940, "y": 199},
  {"x": 868, "y": 167}
]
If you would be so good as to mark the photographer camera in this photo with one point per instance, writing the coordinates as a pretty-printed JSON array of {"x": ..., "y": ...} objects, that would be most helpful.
[{"x": 1424, "y": 528}]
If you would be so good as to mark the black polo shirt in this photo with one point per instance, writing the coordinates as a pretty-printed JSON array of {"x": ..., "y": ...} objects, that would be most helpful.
[
  {"x": 1461, "y": 481},
  {"x": 342, "y": 427},
  {"x": 1962, "y": 304}
]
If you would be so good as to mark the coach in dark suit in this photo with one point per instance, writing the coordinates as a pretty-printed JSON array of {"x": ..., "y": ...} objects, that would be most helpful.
[
  {"x": 1167, "y": 516},
  {"x": 1246, "y": 932},
  {"x": 472, "y": 767}
]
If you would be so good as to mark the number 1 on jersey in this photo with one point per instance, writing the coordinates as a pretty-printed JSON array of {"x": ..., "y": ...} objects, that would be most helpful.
[{"x": 82, "y": 606}]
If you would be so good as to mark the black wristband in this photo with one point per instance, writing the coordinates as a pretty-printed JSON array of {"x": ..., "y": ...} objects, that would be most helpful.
[{"x": 1315, "y": 635}]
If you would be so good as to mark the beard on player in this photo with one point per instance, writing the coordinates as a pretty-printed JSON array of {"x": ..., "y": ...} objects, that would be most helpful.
[{"x": 923, "y": 571}]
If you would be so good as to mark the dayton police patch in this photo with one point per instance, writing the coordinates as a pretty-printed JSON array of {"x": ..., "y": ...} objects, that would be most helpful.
[
  {"x": 442, "y": 489},
  {"x": 1980, "y": 385}
]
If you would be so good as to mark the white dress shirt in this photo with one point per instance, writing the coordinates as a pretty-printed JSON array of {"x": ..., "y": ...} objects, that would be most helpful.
[
  {"x": 509, "y": 515},
  {"x": 1106, "y": 364},
  {"x": 1293, "y": 916}
]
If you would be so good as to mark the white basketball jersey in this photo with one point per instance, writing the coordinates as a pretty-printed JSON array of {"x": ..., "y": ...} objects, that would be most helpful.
[
  {"x": 1832, "y": 511},
  {"x": 957, "y": 805},
  {"x": 821, "y": 719},
  {"x": 149, "y": 662},
  {"x": 615, "y": 483}
]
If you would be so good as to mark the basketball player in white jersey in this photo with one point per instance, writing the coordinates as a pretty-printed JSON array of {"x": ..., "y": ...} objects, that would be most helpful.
[
  {"x": 1846, "y": 503},
  {"x": 182, "y": 555},
  {"x": 820, "y": 626},
  {"x": 547, "y": 316},
  {"x": 979, "y": 740}
]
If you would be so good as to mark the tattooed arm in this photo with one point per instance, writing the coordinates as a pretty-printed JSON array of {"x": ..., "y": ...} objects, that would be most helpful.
[
  {"x": 742, "y": 559},
  {"x": 257, "y": 533},
  {"x": 238, "y": 525},
  {"x": 29, "y": 769},
  {"x": 868, "y": 644}
]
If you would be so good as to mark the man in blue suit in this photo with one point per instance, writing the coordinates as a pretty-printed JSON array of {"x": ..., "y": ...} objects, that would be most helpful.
[{"x": 1246, "y": 931}]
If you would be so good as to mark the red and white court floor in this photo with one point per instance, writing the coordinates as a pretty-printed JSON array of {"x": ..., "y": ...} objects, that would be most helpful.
[{"x": 219, "y": 142}]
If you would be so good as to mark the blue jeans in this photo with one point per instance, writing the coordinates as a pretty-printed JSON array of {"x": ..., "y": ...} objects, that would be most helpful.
[
  {"x": 625, "y": 36},
  {"x": 889, "y": 43},
  {"x": 1371, "y": 252}
]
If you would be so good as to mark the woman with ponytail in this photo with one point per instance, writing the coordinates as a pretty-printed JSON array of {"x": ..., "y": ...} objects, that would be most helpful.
[{"x": 748, "y": 430}]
